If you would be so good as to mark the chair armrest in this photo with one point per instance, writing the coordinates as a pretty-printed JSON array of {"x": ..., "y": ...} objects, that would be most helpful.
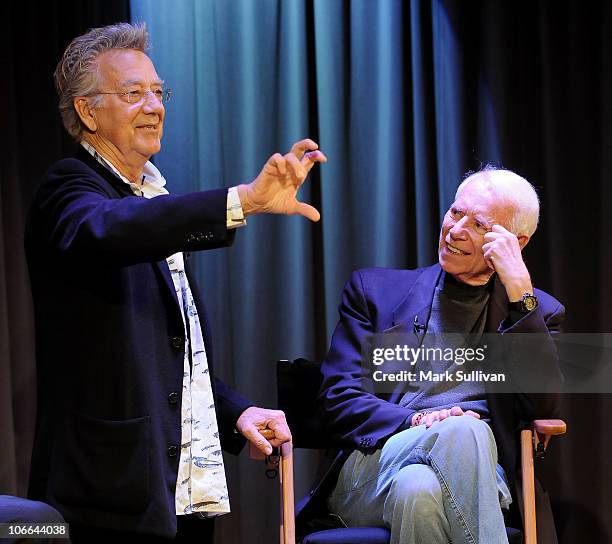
[
  {"x": 544, "y": 430},
  {"x": 550, "y": 426},
  {"x": 536, "y": 438}
]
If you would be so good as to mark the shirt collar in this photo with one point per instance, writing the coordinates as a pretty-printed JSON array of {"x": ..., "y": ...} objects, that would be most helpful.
[{"x": 152, "y": 180}]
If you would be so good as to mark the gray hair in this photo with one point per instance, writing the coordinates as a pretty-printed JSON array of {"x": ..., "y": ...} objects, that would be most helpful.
[
  {"x": 515, "y": 190},
  {"x": 77, "y": 72}
]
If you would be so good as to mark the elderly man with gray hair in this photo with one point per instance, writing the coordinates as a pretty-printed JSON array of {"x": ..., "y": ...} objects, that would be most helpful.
[
  {"x": 434, "y": 459},
  {"x": 131, "y": 420}
]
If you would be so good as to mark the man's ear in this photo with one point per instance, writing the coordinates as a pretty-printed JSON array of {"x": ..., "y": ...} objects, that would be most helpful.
[
  {"x": 523, "y": 240},
  {"x": 85, "y": 112}
]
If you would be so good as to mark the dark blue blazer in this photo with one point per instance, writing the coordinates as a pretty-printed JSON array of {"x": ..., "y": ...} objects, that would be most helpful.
[
  {"x": 378, "y": 300},
  {"x": 110, "y": 344}
]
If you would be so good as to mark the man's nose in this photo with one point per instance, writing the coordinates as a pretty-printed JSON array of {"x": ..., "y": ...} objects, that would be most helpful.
[
  {"x": 151, "y": 102},
  {"x": 458, "y": 230}
]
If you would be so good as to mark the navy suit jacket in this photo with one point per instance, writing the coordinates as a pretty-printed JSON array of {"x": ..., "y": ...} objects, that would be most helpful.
[
  {"x": 378, "y": 300},
  {"x": 110, "y": 344}
]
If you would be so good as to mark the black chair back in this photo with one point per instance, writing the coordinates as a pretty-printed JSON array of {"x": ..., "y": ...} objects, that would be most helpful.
[{"x": 298, "y": 384}]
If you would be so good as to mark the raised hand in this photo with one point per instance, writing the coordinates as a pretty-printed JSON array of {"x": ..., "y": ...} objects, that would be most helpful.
[
  {"x": 502, "y": 252},
  {"x": 275, "y": 189}
]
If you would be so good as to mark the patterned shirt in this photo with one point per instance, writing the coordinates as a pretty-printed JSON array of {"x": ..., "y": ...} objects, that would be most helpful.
[{"x": 201, "y": 485}]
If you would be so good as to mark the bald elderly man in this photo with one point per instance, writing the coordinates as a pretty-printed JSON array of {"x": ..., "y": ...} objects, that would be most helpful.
[{"x": 435, "y": 462}]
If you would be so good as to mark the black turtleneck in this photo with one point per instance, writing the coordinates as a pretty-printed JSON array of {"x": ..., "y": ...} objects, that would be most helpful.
[{"x": 460, "y": 309}]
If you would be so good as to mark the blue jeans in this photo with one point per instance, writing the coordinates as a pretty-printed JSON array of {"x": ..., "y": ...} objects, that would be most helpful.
[{"x": 436, "y": 485}]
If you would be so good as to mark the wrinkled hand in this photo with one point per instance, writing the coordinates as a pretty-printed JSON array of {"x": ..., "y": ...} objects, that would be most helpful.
[
  {"x": 275, "y": 189},
  {"x": 254, "y": 419},
  {"x": 502, "y": 252},
  {"x": 440, "y": 415}
]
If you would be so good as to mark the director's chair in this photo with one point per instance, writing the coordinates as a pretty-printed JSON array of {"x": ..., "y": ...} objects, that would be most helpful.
[{"x": 298, "y": 383}]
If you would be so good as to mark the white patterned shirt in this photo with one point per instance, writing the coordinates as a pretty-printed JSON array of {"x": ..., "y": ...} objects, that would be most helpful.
[{"x": 201, "y": 486}]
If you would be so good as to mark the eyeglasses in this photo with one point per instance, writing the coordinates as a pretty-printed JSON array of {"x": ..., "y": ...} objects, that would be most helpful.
[
  {"x": 480, "y": 228},
  {"x": 137, "y": 97}
]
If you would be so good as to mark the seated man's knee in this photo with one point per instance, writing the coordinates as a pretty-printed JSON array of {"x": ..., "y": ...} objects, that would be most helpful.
[
  {"x": 414, "y": 507},
  {"x": 417, "y": 486},
  {"x": 460, "y": 427}
]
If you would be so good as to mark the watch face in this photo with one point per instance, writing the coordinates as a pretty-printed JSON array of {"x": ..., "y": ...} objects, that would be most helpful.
[{"x": 530, "y": 303}]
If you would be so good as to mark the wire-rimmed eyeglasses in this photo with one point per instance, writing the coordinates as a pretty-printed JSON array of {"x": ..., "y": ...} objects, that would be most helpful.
[
  {"x": 477, "y": 225},
  {"x": 137, "y": 97}
]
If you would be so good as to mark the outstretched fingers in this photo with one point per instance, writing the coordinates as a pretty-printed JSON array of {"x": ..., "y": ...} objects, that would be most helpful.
[
  {"x": 309, "y": 159},
  {"x": 299, "y": 148},
  {"x": 296, "y": 169},
  {"x": 308, "y": 211}
]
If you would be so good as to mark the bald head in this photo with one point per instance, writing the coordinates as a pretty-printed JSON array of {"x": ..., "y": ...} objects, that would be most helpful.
[{"x": 513, "y": 191}]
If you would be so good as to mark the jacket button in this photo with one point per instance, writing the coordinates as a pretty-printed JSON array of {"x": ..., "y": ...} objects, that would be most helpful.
[
  {"x": 177, "y": 342},
  {"x": 172, "y": 451},
  {"x": 173, "y": 398}
]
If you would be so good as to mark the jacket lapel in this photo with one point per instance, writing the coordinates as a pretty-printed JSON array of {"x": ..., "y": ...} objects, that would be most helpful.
[
  {"x": 122, "y": 190},
  {"x": 166, "y": 280},
  {"x": 412, "y": 314}
]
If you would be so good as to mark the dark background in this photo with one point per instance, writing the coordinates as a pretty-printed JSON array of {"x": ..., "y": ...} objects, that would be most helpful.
[{"x": 547, "y": 66}]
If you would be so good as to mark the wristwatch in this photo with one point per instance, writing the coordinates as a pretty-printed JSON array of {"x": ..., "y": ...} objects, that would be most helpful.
[{"x": 527, "y": 304}]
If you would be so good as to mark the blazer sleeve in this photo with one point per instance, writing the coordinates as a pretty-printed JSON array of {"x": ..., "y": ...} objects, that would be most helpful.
[
  {"x": 77, "y": 214},
  {"x": 356, "y": 416},
  {"x": 534, "y": 364},
  {"x": 230, "y": 404}
]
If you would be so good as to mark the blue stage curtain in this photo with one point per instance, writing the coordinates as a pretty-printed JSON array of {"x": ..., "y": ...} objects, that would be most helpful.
[
  {"x": 404, "y": 97},
  {"x": 380, "y": 86}
]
